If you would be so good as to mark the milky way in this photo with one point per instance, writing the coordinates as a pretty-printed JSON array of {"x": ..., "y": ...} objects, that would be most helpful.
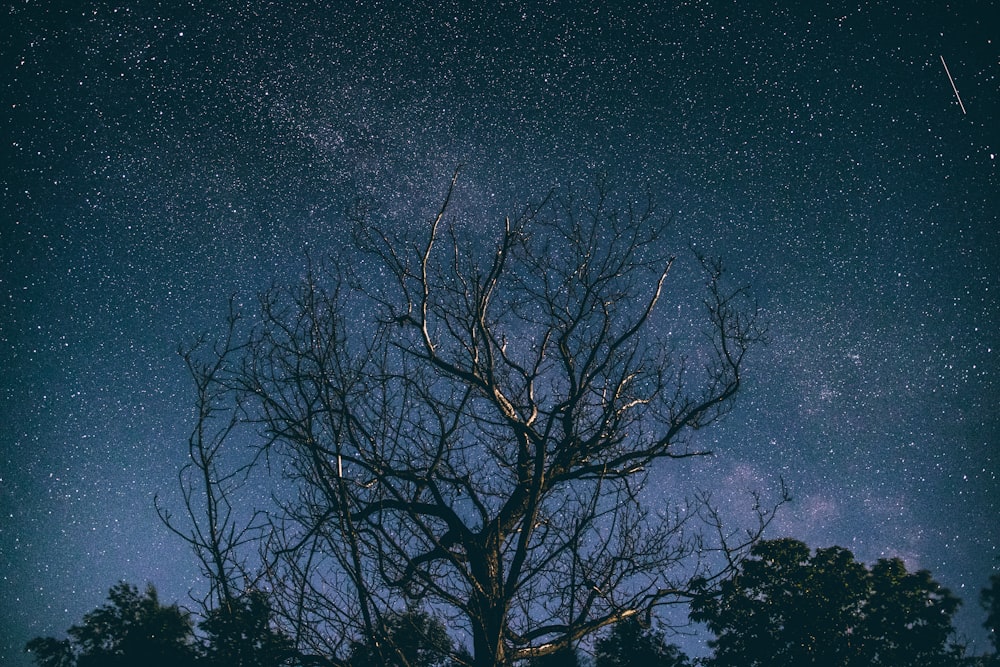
[{"x": 158, "y": 158}]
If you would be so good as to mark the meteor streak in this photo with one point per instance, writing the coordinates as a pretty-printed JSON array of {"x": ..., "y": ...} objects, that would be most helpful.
[{"x": 953, "y": 85}]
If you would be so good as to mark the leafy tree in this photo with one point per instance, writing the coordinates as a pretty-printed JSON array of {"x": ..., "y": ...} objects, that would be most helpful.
[
  {"x": 132, "y": 630},
  {"x": 907, "y": 618},
  {"x": 412, "y": 638},
  {"x": 787, "y": 607},
  {"x": 473, "y": 427},
  {"x": 629, "y": 644},
  {"x": 52, "y": 652},
  {"x": 240, "y": 634}
]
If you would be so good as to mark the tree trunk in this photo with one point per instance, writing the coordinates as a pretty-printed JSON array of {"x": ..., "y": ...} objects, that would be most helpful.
[
  {"x": 487, "y": 636},
  {"x": 489, "y": 603}
]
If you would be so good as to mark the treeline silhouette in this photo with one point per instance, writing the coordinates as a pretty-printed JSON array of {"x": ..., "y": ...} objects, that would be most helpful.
[{"x": 785, "y": 606}]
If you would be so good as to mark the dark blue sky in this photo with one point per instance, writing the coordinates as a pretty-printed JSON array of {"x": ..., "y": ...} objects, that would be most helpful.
[{"x": 158, "y": 157}]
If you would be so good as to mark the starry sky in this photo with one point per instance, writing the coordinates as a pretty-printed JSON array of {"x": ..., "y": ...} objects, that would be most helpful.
[{"x": 158, "y": 157}]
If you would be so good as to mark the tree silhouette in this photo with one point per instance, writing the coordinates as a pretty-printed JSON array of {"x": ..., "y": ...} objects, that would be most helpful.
[
  {"x": 412, "y": 638},
  {"x": 787, "y": 607},
  {"x": 631, "y": 645},
  {"x": 240, "y": 634},
  {"x": 473, "y": 427},
  {"x": 133, "y": 630},
  {"x": 52, "y": 652},
  {"x": 907, "y": 617}
]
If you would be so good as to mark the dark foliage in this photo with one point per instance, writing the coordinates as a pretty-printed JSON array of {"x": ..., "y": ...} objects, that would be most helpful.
[
  {"x": 133, "y": 629},
  {"x": 786, "y": 607},
  {"x": 629, "y": 644},
  {"x": 240, "y": 634},
  {"x": 52, "y": 652},
  {"x": 410, "y": 639}
]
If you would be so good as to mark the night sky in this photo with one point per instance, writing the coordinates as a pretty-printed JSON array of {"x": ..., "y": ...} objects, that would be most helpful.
[{"x": 159, "y": 157}]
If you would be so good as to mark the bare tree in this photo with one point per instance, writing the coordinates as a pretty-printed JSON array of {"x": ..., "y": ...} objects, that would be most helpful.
[{"x": 474, "y": 428}]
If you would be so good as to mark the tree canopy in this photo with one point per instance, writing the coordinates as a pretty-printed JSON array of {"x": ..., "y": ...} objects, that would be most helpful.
[
  {"x": 135, "y": 630},
  {"x": 132, "y": 630},
  {"x": 629, "y": 644},
  {"x": 787, "y": 606},
  {"x": 413, "y": 638},
  {"x": 240, "y": 633}
]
